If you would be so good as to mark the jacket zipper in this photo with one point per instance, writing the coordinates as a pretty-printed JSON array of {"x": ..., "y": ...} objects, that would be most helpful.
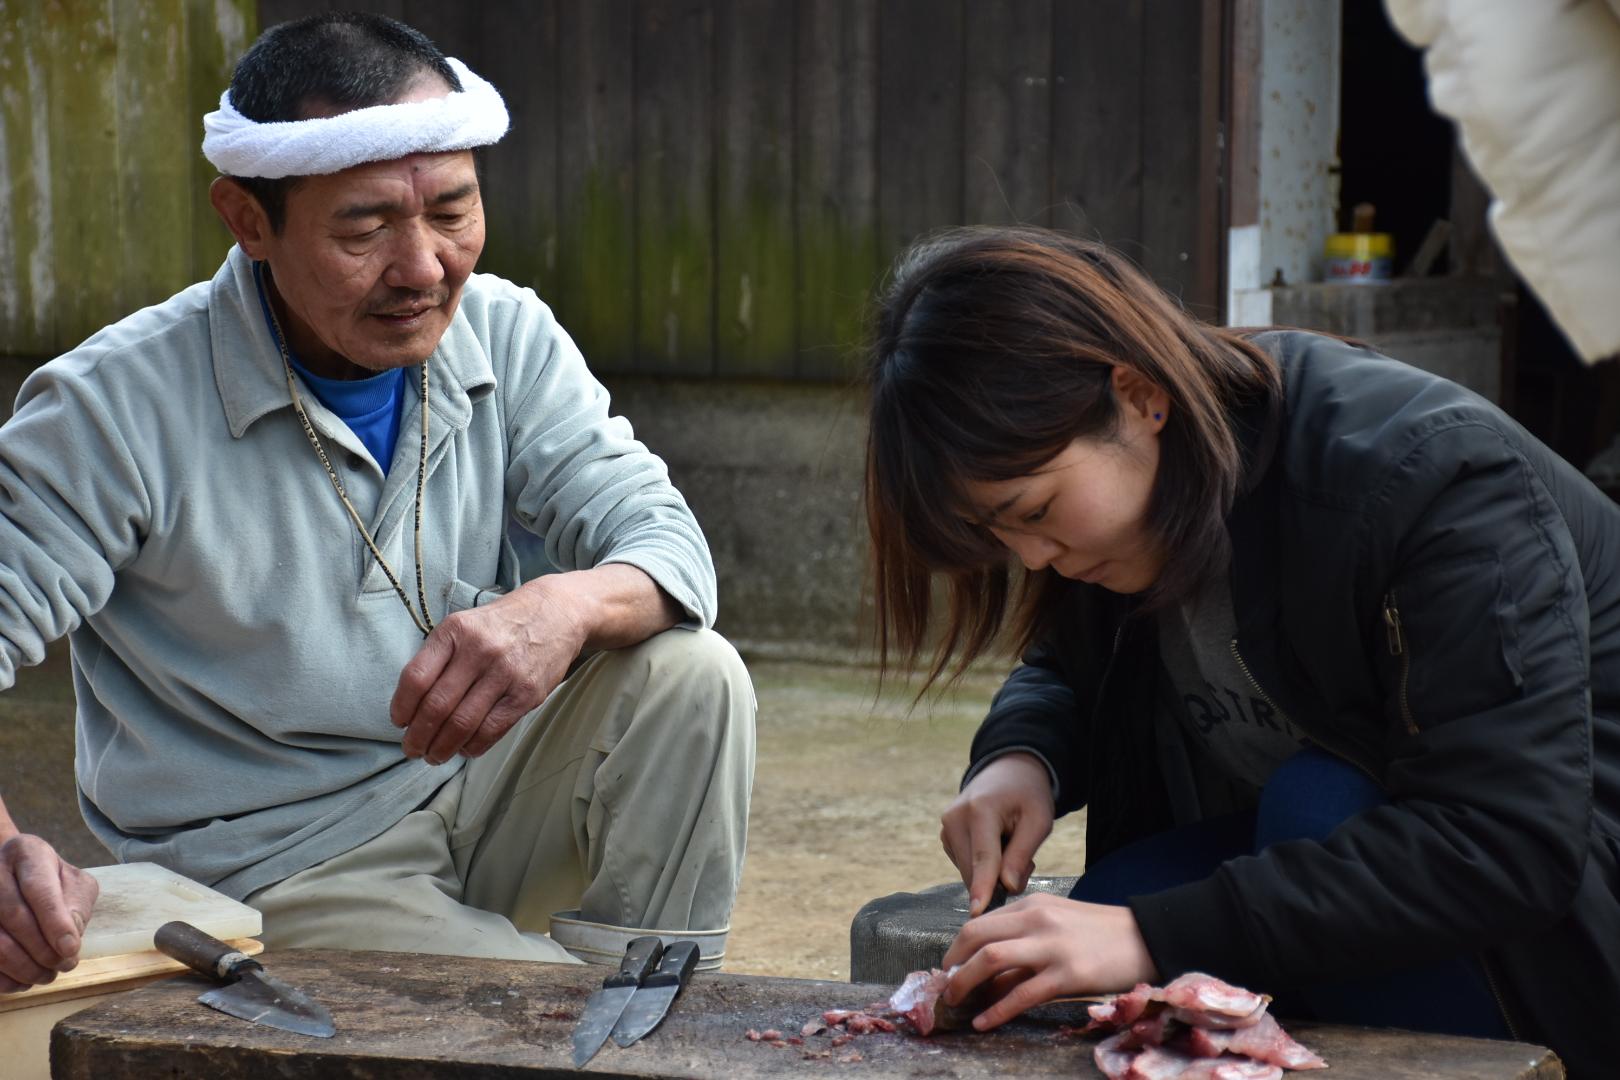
[
  {"x": 1337, "y": 751},
  {"x": 1501, "y": 1006},
  {"x": 1397, "y": 647}
]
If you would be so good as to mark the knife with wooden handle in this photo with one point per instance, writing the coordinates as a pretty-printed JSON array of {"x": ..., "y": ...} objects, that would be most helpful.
[{"x": 249, "y": 992}]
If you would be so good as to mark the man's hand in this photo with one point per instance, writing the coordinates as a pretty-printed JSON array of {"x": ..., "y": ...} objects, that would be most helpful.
[
  {"x": 1042, "y": 947},
  {"x": 993, "y": 828},
  {"x": 45, "y": 904},
  {"x": 482, "y": 670}
]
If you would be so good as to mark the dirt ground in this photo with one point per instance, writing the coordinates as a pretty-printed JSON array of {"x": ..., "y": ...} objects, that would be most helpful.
[{"x": 847, "y": 796}]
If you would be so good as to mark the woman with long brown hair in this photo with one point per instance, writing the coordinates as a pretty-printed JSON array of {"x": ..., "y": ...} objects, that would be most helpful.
[{"x": 1327, "y": 647}]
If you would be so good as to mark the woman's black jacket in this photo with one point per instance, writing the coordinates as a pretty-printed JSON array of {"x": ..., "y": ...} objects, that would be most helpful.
[{"x": 1434, "y": 596}]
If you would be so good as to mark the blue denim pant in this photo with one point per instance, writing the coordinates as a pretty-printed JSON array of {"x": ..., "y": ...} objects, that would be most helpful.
[{"x": 1307, "y": 798}]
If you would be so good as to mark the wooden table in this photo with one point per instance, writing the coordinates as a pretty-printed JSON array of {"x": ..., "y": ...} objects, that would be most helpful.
[{"x": 415, "y": 1017}]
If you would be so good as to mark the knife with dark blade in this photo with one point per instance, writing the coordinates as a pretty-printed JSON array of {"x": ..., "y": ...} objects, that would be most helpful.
[
  {"x": 249, "y": 992},
  {"x": 602, "y": 1008},
  {"x": 649, "y": 1004}
]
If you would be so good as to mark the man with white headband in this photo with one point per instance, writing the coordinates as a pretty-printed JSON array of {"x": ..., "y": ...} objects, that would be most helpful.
[{"x": 272, "y": 515}]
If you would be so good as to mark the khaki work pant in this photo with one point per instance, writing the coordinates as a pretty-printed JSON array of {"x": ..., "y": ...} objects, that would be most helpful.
[{"x": 624, "y": 797}]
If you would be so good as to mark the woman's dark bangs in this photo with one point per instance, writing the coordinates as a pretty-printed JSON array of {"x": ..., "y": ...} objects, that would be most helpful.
[{"x": 919, "y": 474}]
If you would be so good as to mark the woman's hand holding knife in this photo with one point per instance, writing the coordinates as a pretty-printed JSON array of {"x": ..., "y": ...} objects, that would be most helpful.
[
  {"x": 994, "y": 826},
  {"x": 1039, "y": 947}
]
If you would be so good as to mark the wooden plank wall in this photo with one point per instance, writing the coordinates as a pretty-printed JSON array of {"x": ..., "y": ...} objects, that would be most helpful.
[
  {"x": 699, "y": 187},
  {"x": 713, "y": 187},
  {"x": 103, "y": 189}
]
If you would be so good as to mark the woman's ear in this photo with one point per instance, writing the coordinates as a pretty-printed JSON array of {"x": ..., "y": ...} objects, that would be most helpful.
[
  {"x": 241, "y": 212},
  {"x": 1141, "y": 403}
]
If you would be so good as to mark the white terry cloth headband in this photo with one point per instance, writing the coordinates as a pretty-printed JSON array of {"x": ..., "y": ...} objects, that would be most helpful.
[{"x": 473, "y": 116}]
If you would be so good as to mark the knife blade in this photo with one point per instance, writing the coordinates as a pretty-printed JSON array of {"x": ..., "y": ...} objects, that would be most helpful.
[
  {"x": 602, "y": 1008},
  {"x": 649, "y": 1004},
  {"x": 250, "y": 992}
]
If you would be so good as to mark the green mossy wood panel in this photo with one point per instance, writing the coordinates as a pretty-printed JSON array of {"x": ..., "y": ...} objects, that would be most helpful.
[
  {"x": 27, "y": 208},
  {"x": 1097, "y": 121},
  {"x": 698, "y": 187},
  {"x": 104, "y": 207},
  {"x": 520, "y": 172},
  {"x": 272, "y": 12},
  {"x": 216, "y": 34},
  {"x": 674, "y": 124},
  {"x": 835, "y": 182},
  {"x": 154, "y": 176},
  {"x": 1008, "y": 127},
  {"x": 920, "y": 112},
  {"x": 754, "y": 264},
  {"x": 81, "y": 55},
  {"x": 1170, "y": 145},
  {"x": 596, "y": 253}
]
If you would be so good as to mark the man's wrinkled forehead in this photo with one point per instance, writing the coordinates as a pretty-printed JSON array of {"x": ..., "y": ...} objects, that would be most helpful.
[{"x": 414, "y": 184}]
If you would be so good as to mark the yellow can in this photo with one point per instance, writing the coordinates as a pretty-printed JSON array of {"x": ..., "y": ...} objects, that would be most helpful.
[{"x": 1359, "y": 258}]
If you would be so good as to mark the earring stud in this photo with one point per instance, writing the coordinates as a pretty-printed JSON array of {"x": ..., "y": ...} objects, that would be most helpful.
[{"x": 1158, "y": 416}]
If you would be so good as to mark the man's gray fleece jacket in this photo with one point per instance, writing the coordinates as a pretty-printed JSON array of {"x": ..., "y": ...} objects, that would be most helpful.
[{"x": 235, "y": 646}]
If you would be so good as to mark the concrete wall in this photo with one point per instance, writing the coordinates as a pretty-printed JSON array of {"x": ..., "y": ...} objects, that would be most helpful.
[
  {"x": 773, "y": 472},
  {"x": 1450, "y": 325}
]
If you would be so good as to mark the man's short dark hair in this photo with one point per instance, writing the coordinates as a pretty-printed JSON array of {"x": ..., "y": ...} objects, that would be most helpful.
[{"x": 327, "y": 63}]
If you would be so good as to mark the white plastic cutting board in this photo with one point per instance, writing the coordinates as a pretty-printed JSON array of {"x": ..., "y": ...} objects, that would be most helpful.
[
  {"x": 118, "y": 952},
  {"x": 137, "y": 898}
]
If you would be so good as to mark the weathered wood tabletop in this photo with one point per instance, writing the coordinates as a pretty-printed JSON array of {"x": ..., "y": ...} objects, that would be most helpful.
[{"x": 415, "y": 1017}]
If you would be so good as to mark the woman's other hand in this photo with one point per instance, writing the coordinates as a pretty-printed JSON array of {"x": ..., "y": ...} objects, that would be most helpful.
[
  {"x": 1043, "y": 947},
  {"x": 993, "y": 828}
]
